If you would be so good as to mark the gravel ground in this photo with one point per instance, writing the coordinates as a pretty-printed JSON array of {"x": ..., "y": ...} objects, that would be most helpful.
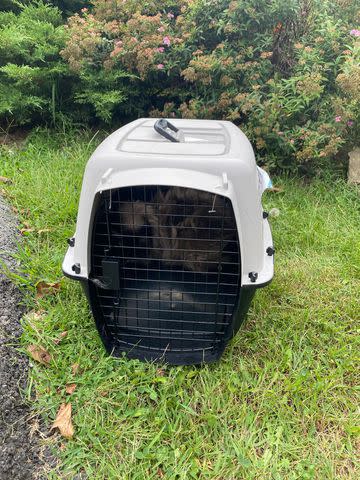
[{"x": 21, "y": 455}]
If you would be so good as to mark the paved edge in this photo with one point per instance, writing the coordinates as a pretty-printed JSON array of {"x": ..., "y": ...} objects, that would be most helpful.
[{"x": 22, "y": 455}]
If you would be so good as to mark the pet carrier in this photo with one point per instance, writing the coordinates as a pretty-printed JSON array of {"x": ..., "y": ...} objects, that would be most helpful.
[{"x": 171, "y": 240}]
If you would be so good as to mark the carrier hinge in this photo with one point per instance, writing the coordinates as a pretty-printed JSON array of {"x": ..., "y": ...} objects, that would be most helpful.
[
  {"x": 71, "y": 241},
  {"x": 76, "y": 268},
  {"x": 253, "y": 276}
]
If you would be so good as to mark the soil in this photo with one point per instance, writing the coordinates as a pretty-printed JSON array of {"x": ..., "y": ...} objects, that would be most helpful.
[
  {"x": 22, "y": 455},
  {"x": 15, "y": 138}
]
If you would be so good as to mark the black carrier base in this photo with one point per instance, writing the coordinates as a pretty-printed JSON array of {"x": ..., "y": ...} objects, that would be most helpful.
[{"x": 164, "y": 356}]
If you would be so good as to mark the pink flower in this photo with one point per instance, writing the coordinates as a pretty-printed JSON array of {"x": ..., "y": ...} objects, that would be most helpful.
[
  {"x": 292, "y": 141},
  {"x": 170, "y": 15},
  {"x": 161, "y": 29},
  {"x": 349, "y": 123},
  {"x": 83, "y": 10},
  {"x": 280, "y": 133},
  {"x": 355, "y": 33},
  {"x": 160, "y": 66},
  {"x": 160, "y": 49},
  {"x": 338, "y": 118},
  {"x": 166, "y": 41}
]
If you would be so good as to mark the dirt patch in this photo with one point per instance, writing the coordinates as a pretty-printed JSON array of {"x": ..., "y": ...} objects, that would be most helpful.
[
  {"x": 16, "y": 138},
  {"x": 22, "y": 457}
]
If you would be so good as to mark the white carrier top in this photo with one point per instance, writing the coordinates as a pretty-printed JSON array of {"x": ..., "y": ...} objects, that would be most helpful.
[{"x": 211, "y": 155}]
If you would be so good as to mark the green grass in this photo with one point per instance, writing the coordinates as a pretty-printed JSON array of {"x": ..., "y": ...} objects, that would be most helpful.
[{"x": 281, "y": 403}]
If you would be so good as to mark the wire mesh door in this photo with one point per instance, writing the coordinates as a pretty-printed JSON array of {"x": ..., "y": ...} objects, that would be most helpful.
[{"x": 166, "y": 265}]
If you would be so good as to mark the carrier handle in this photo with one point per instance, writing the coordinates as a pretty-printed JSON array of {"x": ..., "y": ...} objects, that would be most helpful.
[{"x": 162, "y": 126}]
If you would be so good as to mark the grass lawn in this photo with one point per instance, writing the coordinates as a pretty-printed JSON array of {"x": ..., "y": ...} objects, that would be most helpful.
[{"x": 281, "y": 403}]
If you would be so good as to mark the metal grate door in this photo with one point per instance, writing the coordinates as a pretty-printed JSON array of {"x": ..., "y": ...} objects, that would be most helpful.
[{"x": 165, "y": 270}]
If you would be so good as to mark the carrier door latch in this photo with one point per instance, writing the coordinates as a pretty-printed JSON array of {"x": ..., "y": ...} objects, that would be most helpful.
[{"x": 110, "y": 277}]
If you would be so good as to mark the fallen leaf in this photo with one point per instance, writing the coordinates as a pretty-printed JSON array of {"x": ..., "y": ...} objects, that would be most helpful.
[
  {"x": 275, "y": 189},
  {"x": 44, "y": 230},
  {"x": 45, "y": 288},
  {"x": 39, "y": 354},
  {"x": 160, "y": 473},
  {"x": 34, "y": 315},
  {"x": 63, "y": 421},
  {"x": 160, "y": 372},
  {"x": 5, "y": 180},
  {"x": 25, "y": 212},
  {"x": 60, "y": 337},
  {"x": 6, "y": 194},
  {"x": 23, "y": 231},
  {"x": 75, "y": 368},
  {"x": 34, "y": 319},
  {"x": 70, "y": 388}
]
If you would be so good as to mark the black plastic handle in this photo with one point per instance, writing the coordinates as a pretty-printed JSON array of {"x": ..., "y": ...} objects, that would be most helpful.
[{"x": 162, "y": 126}]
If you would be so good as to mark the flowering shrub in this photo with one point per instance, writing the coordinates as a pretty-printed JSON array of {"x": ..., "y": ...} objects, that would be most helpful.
[
  {"x": 116, "y": 52},
  {"x": 286, "y": 71}
]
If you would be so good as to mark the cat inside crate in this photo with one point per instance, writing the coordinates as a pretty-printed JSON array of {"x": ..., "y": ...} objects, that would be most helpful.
[{"x": 181, "y": 227}]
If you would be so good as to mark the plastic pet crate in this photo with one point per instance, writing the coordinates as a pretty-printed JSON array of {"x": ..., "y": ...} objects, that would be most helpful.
[{"x": 171, "y": 239}]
